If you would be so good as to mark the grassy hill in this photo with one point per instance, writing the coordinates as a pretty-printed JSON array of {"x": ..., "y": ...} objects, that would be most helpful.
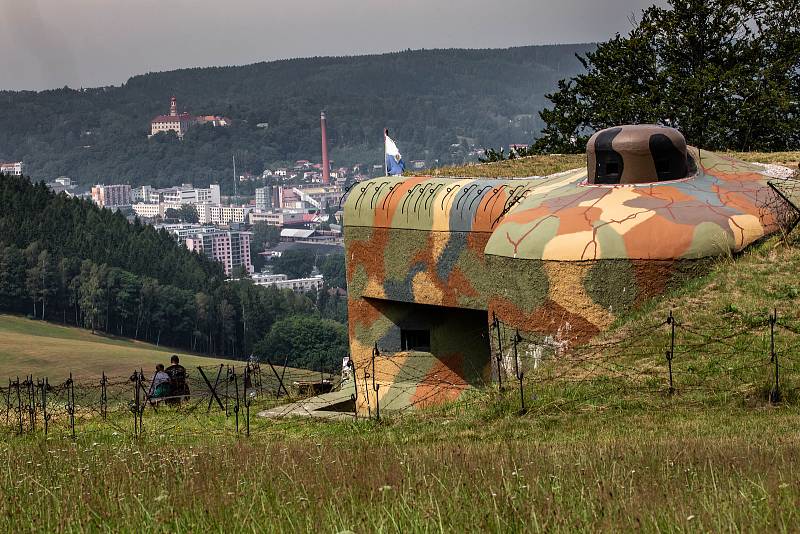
[
  {"x": 549, "y": 164},
  {"x": 45, "y": 349}
]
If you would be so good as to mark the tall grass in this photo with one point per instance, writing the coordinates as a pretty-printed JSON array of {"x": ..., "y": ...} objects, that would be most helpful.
[{"x": 671, "y": 470}]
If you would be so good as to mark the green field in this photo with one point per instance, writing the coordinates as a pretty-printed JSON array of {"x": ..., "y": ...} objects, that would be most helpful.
[{"x": 45, "y": 349}]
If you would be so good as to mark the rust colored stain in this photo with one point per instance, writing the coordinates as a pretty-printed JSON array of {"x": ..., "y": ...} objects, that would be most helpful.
[
  {"x": 443, "y": 382},
  {"x": 368, "y": 254},
  {"x": 546, "y": 319}
]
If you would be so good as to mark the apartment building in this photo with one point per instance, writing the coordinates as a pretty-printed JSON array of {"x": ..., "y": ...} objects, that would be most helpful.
[
  {"x": 213, "y": 214},
  {"x": 186, "y": 194},
  {"x": 109, "y": 196},
  {"x": 278, "y": 218},
  {"x": 281, "y": 281},
  {"x": 230, "y": 248}
]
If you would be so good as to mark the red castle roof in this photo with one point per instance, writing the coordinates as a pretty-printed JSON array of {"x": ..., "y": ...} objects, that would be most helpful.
[{"x": 172, "y": 118}]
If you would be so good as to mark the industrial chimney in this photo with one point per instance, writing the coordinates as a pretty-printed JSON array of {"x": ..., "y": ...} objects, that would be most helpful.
[{"x": 326, "y": 164}]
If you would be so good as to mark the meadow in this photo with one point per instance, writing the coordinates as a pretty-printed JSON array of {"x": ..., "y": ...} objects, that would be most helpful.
[
  {"x": 47, "y": 349},
  {"x": 667, "y": 467}
]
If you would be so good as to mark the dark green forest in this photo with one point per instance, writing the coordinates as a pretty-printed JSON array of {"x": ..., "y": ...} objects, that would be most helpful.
[
  {"x": 726, "y": 73},
  {"x": 66, "y": 260},
  {"x": 429, "y": 99}
]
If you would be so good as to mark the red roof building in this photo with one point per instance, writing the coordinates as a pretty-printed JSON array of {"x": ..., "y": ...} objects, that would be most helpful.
[{"x": 174, "y": 122}]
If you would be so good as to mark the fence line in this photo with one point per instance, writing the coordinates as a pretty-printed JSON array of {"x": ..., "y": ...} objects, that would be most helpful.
[{"x": 667, "y": 359}]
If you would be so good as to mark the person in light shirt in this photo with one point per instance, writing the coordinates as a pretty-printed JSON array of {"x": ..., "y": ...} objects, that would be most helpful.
[{"x": 160, "y": 387}]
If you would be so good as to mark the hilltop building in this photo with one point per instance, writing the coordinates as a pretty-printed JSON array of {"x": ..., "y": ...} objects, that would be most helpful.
[
  {"x": 441, "y": 272},
  {"x": 11, "y": 168},
  {"x": 174, "y": 122},
  {"x": 180, "y": 122}
]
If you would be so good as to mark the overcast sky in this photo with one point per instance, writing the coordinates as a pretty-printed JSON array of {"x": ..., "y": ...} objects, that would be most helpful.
[{"x": 87, "y": 43}]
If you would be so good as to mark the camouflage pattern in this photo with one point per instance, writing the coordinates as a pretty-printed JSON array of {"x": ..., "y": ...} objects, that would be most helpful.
[{"x": 557, "y": 257}]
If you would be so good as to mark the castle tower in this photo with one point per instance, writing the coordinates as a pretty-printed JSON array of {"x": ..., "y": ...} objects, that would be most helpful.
[
  {"x": 173, "y": 107},
  {"x": 326, "y": 165}
]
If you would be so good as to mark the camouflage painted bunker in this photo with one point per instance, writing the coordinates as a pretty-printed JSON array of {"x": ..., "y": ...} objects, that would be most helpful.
[{"x": 432, "y": 261}]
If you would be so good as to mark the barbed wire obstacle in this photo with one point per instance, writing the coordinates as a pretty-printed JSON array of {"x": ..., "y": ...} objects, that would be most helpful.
[
  {"x": 784, "y": 203},
  {"x": 666, "y": 359},
  {"x": 219, "y": 400}
]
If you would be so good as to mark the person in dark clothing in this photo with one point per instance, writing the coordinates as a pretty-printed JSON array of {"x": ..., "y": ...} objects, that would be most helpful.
[{"x": 177, "y": 378}]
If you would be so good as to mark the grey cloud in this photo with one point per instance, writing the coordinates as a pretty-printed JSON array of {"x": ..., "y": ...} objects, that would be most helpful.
[{"x": 50, "y": 43}]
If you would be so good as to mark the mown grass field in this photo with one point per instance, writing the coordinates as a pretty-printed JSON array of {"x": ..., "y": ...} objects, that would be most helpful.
[{"x": 46, "y": 349}]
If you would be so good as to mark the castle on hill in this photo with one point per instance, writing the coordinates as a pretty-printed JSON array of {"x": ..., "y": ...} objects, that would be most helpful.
[{"x": 181, "y": 122}]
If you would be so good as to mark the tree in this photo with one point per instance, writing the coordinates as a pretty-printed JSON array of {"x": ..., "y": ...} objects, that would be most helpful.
[
  {"x": 172, "y": 213},
  {"x": 42, "y": 281},
  {"x": 264, "y": 236},
  {"x": 295, "y": 263},
  {"x": 93, "y": 292},
  {"x": 12, "y": 277},
  {"x": 188, "y": 214},
  {"x": 723, "y": 72},
  {"x": 307, "y": 342},
  {"x": 333, "y": 270}
]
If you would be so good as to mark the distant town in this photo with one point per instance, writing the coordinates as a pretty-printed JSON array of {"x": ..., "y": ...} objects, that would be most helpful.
[{"x": 301, "y": 200}]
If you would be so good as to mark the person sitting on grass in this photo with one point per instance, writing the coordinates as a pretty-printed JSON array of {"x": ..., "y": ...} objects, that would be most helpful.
[
  {"x": 177, "y": 376},
  {"x": 160, "y": 387}
]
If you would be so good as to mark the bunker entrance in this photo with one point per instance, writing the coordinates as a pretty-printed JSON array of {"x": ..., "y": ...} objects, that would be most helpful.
[{"x": 458, "y": 337}]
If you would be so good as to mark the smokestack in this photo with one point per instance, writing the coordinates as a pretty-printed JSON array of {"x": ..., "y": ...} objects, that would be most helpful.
[{"x": 326, "y": 165}]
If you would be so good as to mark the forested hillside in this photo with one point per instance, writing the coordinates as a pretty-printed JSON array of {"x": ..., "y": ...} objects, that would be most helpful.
[
  {"x": 66, "y": 260},
  {"x": 430, "y": 99}
]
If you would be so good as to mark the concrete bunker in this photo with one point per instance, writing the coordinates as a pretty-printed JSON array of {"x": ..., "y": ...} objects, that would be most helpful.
[{"x": 431, "y": 261}]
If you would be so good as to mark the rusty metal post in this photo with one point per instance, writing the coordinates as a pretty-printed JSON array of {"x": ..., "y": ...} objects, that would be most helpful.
[
  {"x": 671, "y": 351},
  {"x": 499, "y": 357},
  {"x": 376, "y": 387},
  {"x": 775, "y": 395},
  {"x": 104, "y": 396},
  {"x": 517, "y": 372}
]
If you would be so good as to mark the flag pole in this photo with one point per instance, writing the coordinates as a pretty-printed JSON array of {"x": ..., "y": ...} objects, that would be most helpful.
[{"x": 385, "y": 165}]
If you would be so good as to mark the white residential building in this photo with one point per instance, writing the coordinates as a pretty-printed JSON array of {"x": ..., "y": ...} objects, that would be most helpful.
[
  {"x": 211, "y": 214},
  {"x": 186, "y": 194},
  {"x": 144, "y": 193},
  {"x": 147, "y": 210},
  {"x": 277, "y": 218},
  {"x": 12, "y": 168},
  {"x": 281, "y": 281}
]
